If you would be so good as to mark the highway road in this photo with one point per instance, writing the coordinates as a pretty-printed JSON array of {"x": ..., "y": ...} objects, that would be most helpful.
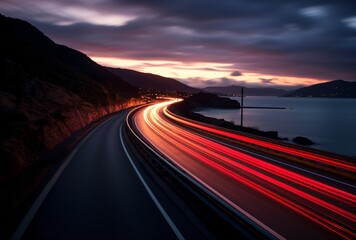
[
  {"x": 101, "y": 192},
  {"x": 289, "y": 202}
]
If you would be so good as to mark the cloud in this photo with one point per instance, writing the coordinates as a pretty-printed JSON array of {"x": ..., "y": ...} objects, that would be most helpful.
[
  {"x": 350, "y": 22},
  {"x": 236, "y": 73},
  {"x": 201, "y": 82},
  {"x": 298, "y": 38},
  {"x": 314, "y": 11},
  {"x": 66, "y": 13},
  {"x": 268, "y": 80},
  {"x": 223, "y": 82}
]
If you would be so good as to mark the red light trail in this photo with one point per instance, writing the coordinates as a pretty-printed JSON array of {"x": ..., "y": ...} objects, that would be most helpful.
[
  {"x": 226, "y": 169},
  {"x": 296, "y": 152}
]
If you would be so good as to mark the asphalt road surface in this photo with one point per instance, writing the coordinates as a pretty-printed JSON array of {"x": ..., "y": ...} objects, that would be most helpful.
[{"x": 99, "y": 193}]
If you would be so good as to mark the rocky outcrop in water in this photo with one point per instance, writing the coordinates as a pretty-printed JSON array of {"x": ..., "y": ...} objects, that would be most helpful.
[{"x": 303, "y": 141}]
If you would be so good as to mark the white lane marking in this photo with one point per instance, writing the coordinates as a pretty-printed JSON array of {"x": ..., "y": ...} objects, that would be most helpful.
[
  {"x": 21, "y": 229},
  {"x": 153, "y": 197},
  {"x": 207, "y": 189}
]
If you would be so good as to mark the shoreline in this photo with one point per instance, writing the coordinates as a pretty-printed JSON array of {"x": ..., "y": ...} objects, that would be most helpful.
[
  {"x": 185, "y": 110},
  {"x": 264, "y": 107},
  {"x": 297, "y": 119}
]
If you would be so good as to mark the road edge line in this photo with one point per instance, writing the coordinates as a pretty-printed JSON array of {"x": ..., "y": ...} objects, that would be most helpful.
[
  {"x": 22, "y": 227},
  {"x": 153, "y": 197}
]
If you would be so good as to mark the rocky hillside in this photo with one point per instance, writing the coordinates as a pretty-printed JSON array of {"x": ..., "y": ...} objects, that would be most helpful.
[{"x": 48, "y": 91}]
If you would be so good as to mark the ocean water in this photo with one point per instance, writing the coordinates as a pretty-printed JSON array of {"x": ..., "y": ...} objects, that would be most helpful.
[{"x": 330, "y": 123}]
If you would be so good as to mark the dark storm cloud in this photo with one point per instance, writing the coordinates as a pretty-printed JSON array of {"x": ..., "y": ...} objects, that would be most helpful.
[
  {"x": 224, "y": 82},
  {"x": 268, "y": 80},
  {"x": 302, "y": 38},
  {"x": 236, "y": 73}
]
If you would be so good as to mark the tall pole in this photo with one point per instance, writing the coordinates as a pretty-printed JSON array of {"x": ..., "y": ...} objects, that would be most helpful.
[{"x": 242, "y": 104}]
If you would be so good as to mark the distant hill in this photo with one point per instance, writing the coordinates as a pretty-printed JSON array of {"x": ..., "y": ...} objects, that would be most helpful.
[
  {"x": 235, "y": 90},
  {"x": 210, "y": 100},
  {"x": 332, "y": 89},
  {"x": 47, "y": 91},
  {"x": 153, "y": 81}
]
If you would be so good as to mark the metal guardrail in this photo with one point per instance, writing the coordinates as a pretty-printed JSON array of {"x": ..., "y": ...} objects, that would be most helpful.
[{"x": 247, "y": 227}]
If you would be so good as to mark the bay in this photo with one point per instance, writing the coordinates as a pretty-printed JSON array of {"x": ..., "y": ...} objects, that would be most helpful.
[{"x": 329, "y": 122}]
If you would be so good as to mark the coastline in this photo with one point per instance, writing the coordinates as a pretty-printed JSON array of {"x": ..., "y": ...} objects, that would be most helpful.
[
  {"x": 186, "y": 110},
  {"x": 314, "y": 118}
]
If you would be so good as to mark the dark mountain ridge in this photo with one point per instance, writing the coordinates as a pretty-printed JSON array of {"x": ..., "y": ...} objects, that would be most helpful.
[
  {"x": 332, "y": 89},
  {"x": 24, "y": 43},
  {"x": 151, "y": 81}
]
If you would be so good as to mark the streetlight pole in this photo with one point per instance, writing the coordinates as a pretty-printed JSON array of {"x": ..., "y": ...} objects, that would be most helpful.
[{"x": 242, "y": 104}]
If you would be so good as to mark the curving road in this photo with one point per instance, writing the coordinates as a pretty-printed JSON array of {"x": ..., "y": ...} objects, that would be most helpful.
[
  {"x": 100, "y": 192},
  {"x": 287, "y": 201},
  {"x": 104, "y": 190}
]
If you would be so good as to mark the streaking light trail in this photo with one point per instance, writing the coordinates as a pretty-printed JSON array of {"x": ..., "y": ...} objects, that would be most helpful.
[
  {"x": 296, "y": 152},
  {"x": 292, "y": 204}
]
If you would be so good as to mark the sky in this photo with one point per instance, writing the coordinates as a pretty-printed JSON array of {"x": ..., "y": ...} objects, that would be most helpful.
[{"x": 260, "y": 43}]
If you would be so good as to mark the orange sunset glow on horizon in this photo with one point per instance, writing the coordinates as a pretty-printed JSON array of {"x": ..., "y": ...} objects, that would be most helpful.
[{"x": 197, "y": 74}]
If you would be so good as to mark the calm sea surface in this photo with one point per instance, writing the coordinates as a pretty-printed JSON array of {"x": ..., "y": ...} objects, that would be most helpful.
[{"x": 331, "y": 123}]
